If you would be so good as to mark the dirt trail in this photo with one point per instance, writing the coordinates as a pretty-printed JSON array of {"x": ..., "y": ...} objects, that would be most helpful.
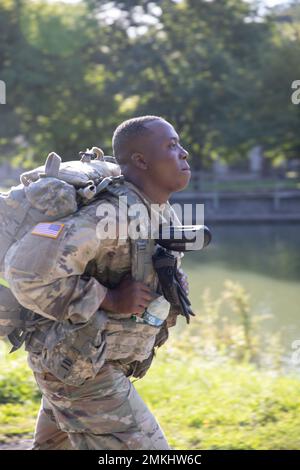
[{"x": 21, "y": 444}]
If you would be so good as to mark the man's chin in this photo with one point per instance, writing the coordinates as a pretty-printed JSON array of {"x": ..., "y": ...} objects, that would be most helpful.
[{"x": 183, "y": 182}]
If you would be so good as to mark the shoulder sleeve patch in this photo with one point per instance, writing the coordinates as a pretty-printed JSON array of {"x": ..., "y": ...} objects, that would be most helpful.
[{"x": 49, "y": 230}]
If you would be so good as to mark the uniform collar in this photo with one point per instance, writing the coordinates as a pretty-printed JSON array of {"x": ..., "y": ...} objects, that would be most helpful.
[
  {"x": 143, "y": 196},
  {"x": 165, "y": 208}
]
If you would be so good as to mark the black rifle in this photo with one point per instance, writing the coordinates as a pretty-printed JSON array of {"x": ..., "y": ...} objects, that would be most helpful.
[{"x": 181, "y": 238}]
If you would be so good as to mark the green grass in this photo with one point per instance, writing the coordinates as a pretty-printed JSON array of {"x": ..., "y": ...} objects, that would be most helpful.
[
  {"x": 19, "y": 397},
  {"x": 219, "y": 384},
  {"x": 204, "y": 405},
  {"x": 17, "y": 420},
  {"x": 3, "y": 282},
  {"x": 200, "y": 404}
]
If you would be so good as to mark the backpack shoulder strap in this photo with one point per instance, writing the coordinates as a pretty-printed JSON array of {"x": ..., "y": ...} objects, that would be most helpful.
[{"x": 142, "y": 248}]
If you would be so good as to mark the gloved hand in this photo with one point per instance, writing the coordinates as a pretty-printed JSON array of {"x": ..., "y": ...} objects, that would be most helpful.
[
  {"x": 183, "y": 279},
  {"x": 165, "y": 264}
]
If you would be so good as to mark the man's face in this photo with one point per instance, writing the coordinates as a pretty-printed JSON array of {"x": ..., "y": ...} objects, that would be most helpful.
[{"x": 166, "y": 159}]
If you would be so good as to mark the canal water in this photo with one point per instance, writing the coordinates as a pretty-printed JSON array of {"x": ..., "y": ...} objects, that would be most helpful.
[{"x": 265, "y": 260}]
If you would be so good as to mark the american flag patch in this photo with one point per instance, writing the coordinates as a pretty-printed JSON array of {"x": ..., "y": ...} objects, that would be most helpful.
[{"x": 47, "y": 230}]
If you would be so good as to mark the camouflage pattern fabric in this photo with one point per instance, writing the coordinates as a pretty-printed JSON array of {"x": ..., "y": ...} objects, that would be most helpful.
[
  {"x": 106, "y": 413},
  {"x": 53, "y": 285},
  {"x": 65, "y": 280}
]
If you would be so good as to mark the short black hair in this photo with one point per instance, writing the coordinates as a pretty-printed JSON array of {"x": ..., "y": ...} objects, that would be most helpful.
[{"x": 126, "y": 133}]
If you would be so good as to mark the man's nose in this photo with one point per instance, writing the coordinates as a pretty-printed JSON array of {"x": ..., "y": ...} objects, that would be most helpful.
[{"x": 184, "y": 154}]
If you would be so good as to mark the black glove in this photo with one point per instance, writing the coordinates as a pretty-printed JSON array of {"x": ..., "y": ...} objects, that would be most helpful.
[{"x": 165, "y": 265}]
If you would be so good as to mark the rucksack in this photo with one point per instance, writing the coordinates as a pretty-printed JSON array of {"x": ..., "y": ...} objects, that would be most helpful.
[{"x": 46, "y": 194}]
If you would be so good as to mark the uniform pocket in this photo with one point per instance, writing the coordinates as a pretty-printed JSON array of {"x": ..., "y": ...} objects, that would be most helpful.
[
  {"x": 75, "y": 353},
  {"x": 127, "y": 339}
]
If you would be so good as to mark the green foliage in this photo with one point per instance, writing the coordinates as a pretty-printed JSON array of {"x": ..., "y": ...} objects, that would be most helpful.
[
  {"x": 19, "y": 396},
  {"x": 17, "y": 384},
  {"x": 3, "y": 282},
  {"x": 207, "y": 405},
  {"x": 217, "y": 71},
  {"x": 213, "y": 387},
  {"x": 227, "y": 327},
  {"x": 17, "y": 420}
]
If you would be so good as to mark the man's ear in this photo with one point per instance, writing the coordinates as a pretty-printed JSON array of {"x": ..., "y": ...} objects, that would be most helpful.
[{"x": 139, "y": 161}]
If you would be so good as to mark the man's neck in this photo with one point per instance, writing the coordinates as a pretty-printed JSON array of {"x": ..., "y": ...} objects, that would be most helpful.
[{"x": 152, "y": 192}]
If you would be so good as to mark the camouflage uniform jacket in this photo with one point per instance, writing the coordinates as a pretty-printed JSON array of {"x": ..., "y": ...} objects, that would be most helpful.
[{"x": 65, "y": 280}]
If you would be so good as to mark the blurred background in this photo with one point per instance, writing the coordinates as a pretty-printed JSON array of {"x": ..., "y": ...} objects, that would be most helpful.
[{"x": 224, "y": 73}]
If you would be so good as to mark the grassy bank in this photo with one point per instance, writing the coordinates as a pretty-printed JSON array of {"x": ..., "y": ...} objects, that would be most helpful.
[
  {"x": 19, "y": 398},
  {"x": 210, "y": 388},
  {"x": 203, "y": 405},
  {"x": 200, "y": 404}
]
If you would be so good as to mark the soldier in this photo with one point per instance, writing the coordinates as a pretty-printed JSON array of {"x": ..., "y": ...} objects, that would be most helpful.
[{"x": 81, "y": 285}]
